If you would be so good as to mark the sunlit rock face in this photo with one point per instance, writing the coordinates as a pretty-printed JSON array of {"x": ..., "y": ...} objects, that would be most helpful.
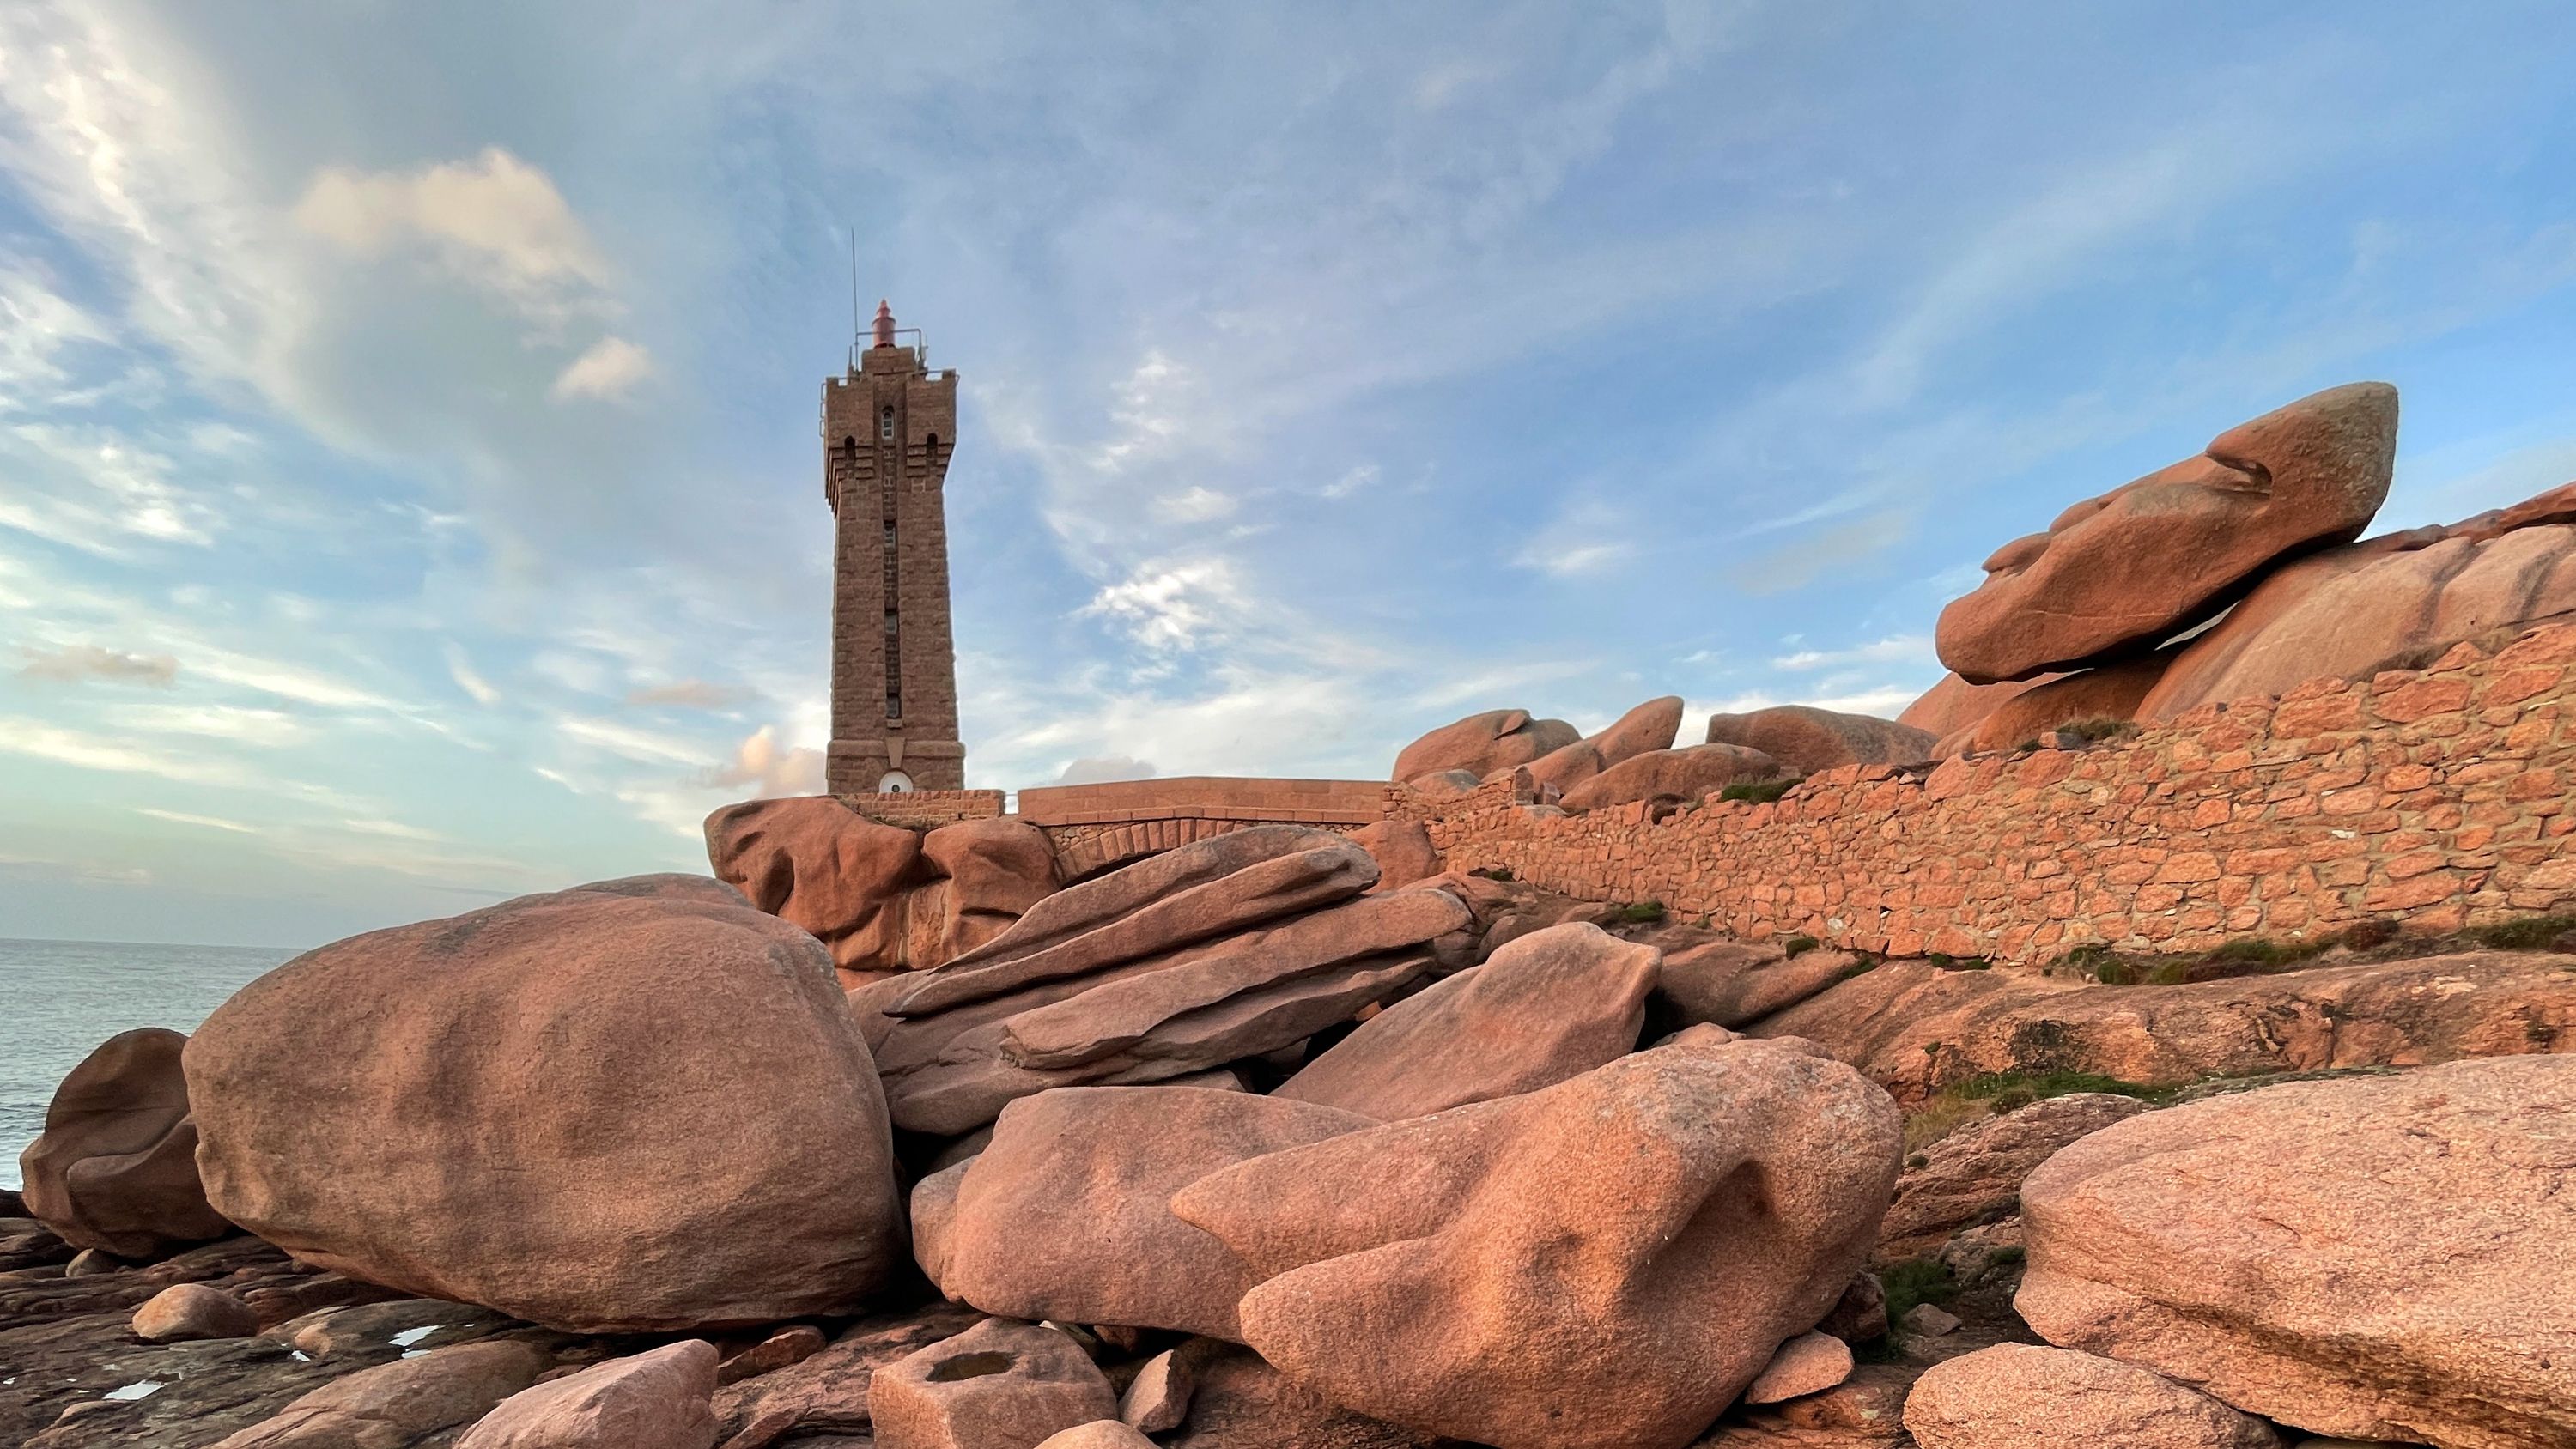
[{"x": 2132, "y": 567}]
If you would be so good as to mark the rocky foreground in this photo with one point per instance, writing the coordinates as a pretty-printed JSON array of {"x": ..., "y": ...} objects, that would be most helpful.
[
  {"x": 1239, "y": 1146},
  {"x": 888, "y": 1137}
]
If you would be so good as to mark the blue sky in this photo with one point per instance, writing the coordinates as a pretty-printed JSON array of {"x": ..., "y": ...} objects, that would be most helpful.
[{"x": 408, "y": 477}]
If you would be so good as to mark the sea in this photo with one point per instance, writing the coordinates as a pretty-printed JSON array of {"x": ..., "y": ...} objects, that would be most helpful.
[{"x": 60, "y": 999}]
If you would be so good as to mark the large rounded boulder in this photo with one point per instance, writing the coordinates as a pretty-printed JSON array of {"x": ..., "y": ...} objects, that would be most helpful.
[
  {"x": 639, "y": 1105},
  {"x": 116, "y": 1166}
]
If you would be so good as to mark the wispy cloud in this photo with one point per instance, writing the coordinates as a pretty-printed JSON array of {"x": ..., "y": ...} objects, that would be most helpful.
[{"x": 80, "y": 663}]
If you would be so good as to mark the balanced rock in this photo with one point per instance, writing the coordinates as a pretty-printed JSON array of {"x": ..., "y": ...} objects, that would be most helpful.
[
  {"x": 1974, "y": 1175},
  {"x": 116, "y": 1167},
  {"x": 998, "y": 1385},
  {"x": 1804, "y": 739},
  {"x": 1671, "y": 776},
  {"x": 2376, "y": 1257},
  {"x": 1578, "y": 1266},
  {"x": 1066, "y": 1216},
  {"x": 1651, "y": 726},
  {"x": 403, "y": 1402},
  {"x": 2147, "y": 560},
  {"x": 2395, "y": 602},
  {"x": 1483, "y": 743},
  {"x": 1551, "y": 1005},
  {"x": 629, "y": 1106},
  {"x": 880, "y": 897},
  {"x": 1224, "y": 949},
  {"x": 992, "y": 872},
  {"x": 2019, "y": 1396},
  {"x": 186, "y": 1312},
  {"x": 656, "y": 1400}
]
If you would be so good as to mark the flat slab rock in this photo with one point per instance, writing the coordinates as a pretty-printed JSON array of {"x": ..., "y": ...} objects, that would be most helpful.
[
  {"x": 2377, "y": 1257},
  {"x": 1912, "y": 1026},
  {"x": 2021, "y": 1396}
]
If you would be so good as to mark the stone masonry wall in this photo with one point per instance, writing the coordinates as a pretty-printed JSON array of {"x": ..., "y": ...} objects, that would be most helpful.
[
  {"x": 926, "y": 809},
  {"x": 2436, "y": 799}
]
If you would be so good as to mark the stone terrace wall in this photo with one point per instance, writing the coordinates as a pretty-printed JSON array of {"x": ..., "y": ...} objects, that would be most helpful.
[
  {"x": 2436, "y": 799},
  {"x": 1095, "y": 826},
  {"x": 927, "y": 809}
]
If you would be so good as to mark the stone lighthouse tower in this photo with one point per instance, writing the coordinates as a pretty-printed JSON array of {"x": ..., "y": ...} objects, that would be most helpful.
[{"x": 889, "y": 424}]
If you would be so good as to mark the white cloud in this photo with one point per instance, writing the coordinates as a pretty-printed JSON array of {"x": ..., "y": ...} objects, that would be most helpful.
[
  {"x": 1894, "y": 649},
  {"x": 627, "y": 742},
  {"x": 461, "y": 669},
  {"x": 1588, "y": 536},
  {"x": 1102, "y": 769},
  {"x": 38, "y": 739},
  {"x": 495, "y": 220},
  {"x": 1176, "y": 605},
  {"x": 609, "y": 370},
  {"x": 1197, "y": 505},
  {"x": 205, "y": 822},
  {"x": 766, "y": 768},
  {"x": 37, "y": 325},
  {"x": 265, "y": 728}
]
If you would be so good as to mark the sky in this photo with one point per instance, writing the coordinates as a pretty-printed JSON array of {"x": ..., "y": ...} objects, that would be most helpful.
[{"x": 409, "y": 482}]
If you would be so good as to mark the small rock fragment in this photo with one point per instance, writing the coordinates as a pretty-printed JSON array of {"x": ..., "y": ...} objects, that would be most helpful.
[
  {"x": 1808, "y": 1364},
  {"x": 185, "y": 1312},
  {"x": 998, "y": 1385}
]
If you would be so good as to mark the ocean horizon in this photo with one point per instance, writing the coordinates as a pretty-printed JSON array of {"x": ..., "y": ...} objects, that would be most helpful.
[{"x": 60, "y": 999}]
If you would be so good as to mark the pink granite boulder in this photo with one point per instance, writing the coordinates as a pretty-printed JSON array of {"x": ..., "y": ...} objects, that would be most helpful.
[
  {"x": 1551, "y": 1005},
  {"x": 2136, "y": 565},
  {"x": 1591, "y": 1264},
  {"x": 1804, "y": 739},
  {"x": 116, "y": 1167},
  {"x": 1066, "y": 1215},
  {"x": 655, "y": 1400},
  {"x": 998, "y": 1385},
  {"x": 2377, "y": 1257},
  {"x": 1680, "y": 776},
  {"x": 1483, "y": 743},
  {"x": 631, "y": 1106}
]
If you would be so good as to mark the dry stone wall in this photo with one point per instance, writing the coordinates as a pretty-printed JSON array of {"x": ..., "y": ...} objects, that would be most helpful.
[{"x": 2436, "y": 799}]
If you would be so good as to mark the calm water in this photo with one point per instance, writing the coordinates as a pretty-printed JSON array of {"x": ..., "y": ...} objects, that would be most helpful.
[{"x": 60, "y": 999}]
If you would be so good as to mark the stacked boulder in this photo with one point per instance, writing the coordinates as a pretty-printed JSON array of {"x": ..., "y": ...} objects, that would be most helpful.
[
  {"x": 1632, "y": 760},
  {"x": 1221, "y": 950},
  {"x": 883, "y": 898},
  {"x": 2109, "y": 614}
]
